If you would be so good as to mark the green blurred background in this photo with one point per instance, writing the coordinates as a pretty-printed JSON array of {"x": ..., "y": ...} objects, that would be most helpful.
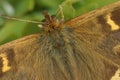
[{"x": 32, "y": 10}]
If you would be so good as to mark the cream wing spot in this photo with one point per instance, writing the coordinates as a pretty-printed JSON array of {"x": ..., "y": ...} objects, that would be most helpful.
[
  {"x": 5, "y": 67},
  {"x": 111, "y": 22},
  {"x": 116, "y": 76},
  {"x": 116, "y": 50}
]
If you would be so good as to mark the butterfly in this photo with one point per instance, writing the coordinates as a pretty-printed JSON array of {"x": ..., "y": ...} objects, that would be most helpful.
[{"x": 84, "y": 48}]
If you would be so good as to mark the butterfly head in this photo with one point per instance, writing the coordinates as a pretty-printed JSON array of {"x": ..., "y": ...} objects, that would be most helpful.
[{"x": 51, "y": 23}]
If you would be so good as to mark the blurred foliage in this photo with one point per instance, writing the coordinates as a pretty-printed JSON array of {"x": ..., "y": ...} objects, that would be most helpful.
[{"x": 32, "y": 10}]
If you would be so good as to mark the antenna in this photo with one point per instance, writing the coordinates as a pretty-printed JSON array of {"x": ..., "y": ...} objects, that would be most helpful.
[
  {"x": 60, "y": 11},
  {"x": 23, "y": 20}
]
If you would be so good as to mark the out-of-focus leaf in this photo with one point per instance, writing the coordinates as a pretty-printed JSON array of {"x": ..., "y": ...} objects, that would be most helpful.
[
  {"x": 31, "y": 5},
  {"x": 1, "y": 21},
  {"x": 14, "y": 28},
  {"x": 83, "y": 6},
  {"x": 68, "y": 10},
  {"x": 50, "y": 3},
  {"x": 6, "y": 8},
  {"x": 31, "y": 29},
  {"x": 24, "y": 6}
]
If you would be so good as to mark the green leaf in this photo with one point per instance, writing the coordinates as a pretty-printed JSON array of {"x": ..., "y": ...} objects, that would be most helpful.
[
  {"x": 53, "y": 4},
  {"x": 68, "y": 10},
  {"x": 24, "y": 6},
  {"x": 6, "y": 8},
  {"x": 12, "y": 28},
  {"x": 83, "y": 6}
]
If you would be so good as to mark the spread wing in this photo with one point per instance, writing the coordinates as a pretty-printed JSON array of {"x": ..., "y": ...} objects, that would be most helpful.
[
  {"x": 13, "y": 56},
  {"x": 101, "y": 28}
]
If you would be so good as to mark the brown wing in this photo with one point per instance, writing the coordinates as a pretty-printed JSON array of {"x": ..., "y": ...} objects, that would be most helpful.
[
  {"x": 59, "y": 56},
  {"x": 13, "y": 56},
  {"x": 101, "y": 28}
]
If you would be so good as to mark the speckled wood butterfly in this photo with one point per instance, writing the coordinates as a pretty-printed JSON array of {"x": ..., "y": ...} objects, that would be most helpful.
[{"x": 84, "y": 48}]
